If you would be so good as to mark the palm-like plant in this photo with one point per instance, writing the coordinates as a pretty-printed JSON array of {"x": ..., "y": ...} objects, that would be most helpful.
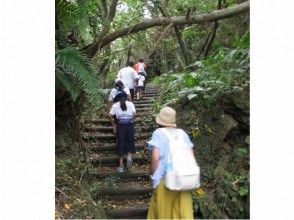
[{"x": 75, "y": 72}]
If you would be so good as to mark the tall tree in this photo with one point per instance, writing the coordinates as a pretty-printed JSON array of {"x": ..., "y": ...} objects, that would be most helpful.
[
  {"x": 105, "y": 37},
  {"x": 179, "y": 37},
  {"x": 210, "y": 38}
]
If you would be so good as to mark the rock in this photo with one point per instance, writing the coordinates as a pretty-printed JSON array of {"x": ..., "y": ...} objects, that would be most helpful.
[
  {"x": 247, "y": 139},
  {"x": 229, "y": 123},
  {"x": 238, "y": 105},
  {"x": 227, "y": 147}
]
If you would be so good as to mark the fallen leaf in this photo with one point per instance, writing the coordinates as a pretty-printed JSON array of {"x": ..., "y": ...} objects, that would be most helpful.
[
  {"x": 195, "y": 132},
  {"x": 200, "y": 191},
  {"x": 208, "y": 129},
  {"x": 67, "y": 206}
]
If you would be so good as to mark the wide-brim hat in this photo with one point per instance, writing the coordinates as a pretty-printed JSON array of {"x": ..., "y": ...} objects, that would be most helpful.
[{"x": 166, "y": 117}]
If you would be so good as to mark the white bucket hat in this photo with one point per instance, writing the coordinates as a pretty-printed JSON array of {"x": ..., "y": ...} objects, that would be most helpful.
[{"x": 166, "y": 117}]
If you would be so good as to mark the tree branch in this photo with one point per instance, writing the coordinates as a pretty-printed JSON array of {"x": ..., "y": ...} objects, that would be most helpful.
[
  {"x": 103, "y": 6},
  {"x": 212, "y": 34},
  {"x": 178, "y": 35},
  {"x": 158, "y": 41},
  {"x": 111, "y": 10},
  {"x": 91, "y": 49}
]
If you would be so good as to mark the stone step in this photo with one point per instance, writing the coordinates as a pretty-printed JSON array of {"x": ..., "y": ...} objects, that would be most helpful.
[
  {"x": 147, "y": 98},
  {"x": 134, "y": 208},
  {"x": 134, "y": 169},
  {"x": 143, "y": 109},
  {"x": 95, "y": 136},
  {"x": 136, "y": 102},
  {"x": 112, "y": 160},
  {"x": 123, "y": 193},
  {"x": 97, "y": 129},
  {"x": 128, "y": 213},
  {"x": 98, "y": 121},
  {"x": 112, "y": 147},
  {"x": 106, "y": 121},
  {"x": 153, "y": 92},
  {"x": 142, "y": 114},
  {"x": 152, "y": 89},
  {"x": 123, "y": 176},
  {"x": 109, "y": 129},
  {"x": 149, "y": 95},
  {"x": 143, "y": 105}
]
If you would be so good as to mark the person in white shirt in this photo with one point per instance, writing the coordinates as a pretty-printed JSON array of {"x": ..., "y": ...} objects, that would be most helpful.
[
  {"x": 141, "y": 80},
  {"x": 128, "y": 75},
  {"x": 118, "y": 88},
  {"x": 124, "y": 111}
]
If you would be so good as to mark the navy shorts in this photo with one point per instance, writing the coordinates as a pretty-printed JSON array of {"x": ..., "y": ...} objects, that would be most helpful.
[{"x": 125, "y": 142}]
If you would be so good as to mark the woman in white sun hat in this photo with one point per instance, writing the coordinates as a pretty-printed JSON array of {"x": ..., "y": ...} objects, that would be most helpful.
[{"x": 165, "y": 203}]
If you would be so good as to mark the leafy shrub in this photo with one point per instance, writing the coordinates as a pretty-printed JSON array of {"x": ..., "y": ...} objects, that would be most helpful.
[{"x": 227, "y": 69}]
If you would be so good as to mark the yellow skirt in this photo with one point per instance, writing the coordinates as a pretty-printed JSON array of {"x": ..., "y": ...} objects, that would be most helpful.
[{"x": 167, "y": 204}]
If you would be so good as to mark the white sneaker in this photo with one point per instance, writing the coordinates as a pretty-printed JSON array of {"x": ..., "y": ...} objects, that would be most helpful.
[
  {"x": 129, "y": 161},
  {"x": 120, "y": 169}
]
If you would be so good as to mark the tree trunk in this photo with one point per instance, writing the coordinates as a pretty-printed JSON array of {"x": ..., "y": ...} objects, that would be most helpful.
[
  {"x": 129, "y": 54},
  {"x": 179, "y": 38},
  {"x": 182, "y": 45},
  {"x": 105, "y": 59},
  {"x": 210, "y": 38},
  {"x": 181, "y": 62},
  {"x": 158, "y": 41}
]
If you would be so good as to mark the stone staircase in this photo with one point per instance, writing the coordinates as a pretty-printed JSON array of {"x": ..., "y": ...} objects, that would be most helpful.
[{"x": 124, "y": 195}]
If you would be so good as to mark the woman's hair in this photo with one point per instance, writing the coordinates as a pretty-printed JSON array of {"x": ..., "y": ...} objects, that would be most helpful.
[
  {"x": 123, "y": 105},
  {"x": 119, "y": 85}
]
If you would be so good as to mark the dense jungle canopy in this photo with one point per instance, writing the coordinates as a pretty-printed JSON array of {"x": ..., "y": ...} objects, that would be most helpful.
[{"x": 197, "y": 54}]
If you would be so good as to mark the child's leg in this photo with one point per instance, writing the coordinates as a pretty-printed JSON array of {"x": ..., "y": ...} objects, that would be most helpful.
[
  {"x": 120, "y": 159},
  {"x": 138, "y": 93}
]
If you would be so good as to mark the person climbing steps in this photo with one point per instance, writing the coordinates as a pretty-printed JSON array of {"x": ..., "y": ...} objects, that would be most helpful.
[{"x": 124, "y": 111}]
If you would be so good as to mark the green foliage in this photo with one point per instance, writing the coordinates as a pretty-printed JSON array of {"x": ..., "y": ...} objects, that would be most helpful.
[
  {"x": 191, "y": 79},
  {"x": 78, "y": 202},
  {"x": 243, "y": 191},
  {"x": 79, "y": 16},
  {"x": 64, "y": 167},
  {"x": 227, "y": 70},
  {"x": 110, "y": 181},
  {"x": 69, "y": 169},
  {"x": 241, "y": 152},
  {"x": 242, "y": 42},
  {"x": 75, "y": 72}
]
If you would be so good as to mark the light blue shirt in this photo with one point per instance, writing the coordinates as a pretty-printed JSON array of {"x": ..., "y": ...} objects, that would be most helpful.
[{"x": 159, "y": 140}]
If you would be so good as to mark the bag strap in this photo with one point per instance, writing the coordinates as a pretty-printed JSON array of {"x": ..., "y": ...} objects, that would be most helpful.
[
  {"x": 166, "y": 133},
  {"x": 178, "y": 133}
]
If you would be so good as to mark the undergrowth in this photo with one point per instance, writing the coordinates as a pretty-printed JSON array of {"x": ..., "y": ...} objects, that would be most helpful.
[
  {"x": 225, "y": 71},
  {"x": 73, "y": 191}
]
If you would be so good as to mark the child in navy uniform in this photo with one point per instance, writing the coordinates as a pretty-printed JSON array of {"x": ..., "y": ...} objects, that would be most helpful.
[
  {"x": 124, "y": 111},
  {"x": 118, "y": 88}
]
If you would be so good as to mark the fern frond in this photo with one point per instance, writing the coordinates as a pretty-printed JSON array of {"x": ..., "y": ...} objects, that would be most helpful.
[
  {"x": 75, "y": 63},
  {"x": 69, "y": 83}
]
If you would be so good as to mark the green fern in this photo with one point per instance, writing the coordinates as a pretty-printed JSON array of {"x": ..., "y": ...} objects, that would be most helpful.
[{"x": 76, "y": 73}]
